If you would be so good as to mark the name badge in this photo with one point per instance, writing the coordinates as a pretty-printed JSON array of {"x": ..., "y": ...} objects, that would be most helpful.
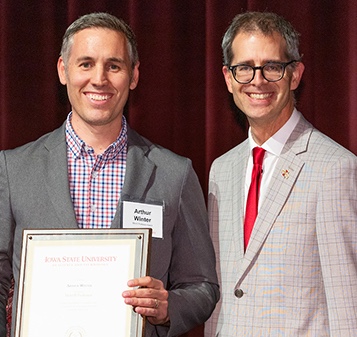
[{"x": 142, "y": 215}]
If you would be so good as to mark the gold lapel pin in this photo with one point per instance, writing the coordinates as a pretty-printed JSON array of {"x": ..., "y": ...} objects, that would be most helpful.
[{"x": 285, "y": 173}]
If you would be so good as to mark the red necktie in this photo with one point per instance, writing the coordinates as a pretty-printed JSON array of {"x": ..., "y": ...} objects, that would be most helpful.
[{"x": 251, "y": 210}]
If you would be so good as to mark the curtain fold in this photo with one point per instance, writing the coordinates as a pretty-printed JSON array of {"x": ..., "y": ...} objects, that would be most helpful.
[{"x": 181, "y": 101}]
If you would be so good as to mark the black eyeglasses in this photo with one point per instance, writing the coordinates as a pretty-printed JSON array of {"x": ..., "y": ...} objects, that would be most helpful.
[{"x": 271, "y": 71}]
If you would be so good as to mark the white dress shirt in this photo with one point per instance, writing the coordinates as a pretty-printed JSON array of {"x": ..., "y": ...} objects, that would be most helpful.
[{"x": 273, "y": 147}]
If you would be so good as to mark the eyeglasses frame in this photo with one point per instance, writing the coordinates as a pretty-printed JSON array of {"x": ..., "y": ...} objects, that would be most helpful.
[{"x": 284, "y": 64}]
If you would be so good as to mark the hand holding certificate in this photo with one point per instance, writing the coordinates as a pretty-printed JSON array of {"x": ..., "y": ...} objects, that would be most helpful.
[{"x": 148, "y": 299}]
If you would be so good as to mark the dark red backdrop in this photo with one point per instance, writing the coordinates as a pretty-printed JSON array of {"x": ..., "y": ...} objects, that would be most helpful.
[{"x": 181, "y": 101}]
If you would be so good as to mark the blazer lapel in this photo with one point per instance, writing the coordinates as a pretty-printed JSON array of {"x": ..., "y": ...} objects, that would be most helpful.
[
  {"x": 56, "y": 177},
  {"x": 138, "y": 174},
  {"x": 284, "y": 178}
]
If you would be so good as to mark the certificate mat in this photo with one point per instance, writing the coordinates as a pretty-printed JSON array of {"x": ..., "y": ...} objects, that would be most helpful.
[{"x": 71, "y": 282}]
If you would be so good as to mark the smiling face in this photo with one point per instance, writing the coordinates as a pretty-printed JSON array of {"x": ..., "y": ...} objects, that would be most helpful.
[
  {"x": 267, "y": 105},
  {"x": 98, "y": 76}
]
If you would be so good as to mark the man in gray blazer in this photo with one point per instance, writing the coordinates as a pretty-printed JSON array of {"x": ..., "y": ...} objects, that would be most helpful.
[
  {"x": 296, "y": 275},
  {"x": 78, "y": 176}
]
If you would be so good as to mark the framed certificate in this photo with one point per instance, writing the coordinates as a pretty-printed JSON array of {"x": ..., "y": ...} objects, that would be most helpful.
[{"x": 71, "y": 282}]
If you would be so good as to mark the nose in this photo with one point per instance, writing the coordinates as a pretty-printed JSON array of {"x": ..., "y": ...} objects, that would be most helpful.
[
  {"x": 258, "y": 76},
  {"x": 99, "y": 77}
]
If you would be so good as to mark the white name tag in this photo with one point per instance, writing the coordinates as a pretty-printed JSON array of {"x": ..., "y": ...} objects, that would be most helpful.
[{"x": 141, "y": 215}]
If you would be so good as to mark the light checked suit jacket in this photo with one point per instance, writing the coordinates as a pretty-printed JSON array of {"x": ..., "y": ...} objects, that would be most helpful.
[
  {"x": 298, "y": 276},
  {"x": 35, "y": 193}
]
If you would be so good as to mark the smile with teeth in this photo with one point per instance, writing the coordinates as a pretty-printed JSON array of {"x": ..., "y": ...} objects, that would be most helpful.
[
  {"x": 259, "y": 96},
  {"x": 98, "y": 97}
]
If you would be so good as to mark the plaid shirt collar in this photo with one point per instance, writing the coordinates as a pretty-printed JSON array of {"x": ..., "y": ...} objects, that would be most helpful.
[{"x": 78, "y": 147}]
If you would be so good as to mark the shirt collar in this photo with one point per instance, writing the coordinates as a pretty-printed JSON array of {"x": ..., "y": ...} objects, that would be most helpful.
[
  {"x": 275, "y": 143},
  {"x": 78, "y": 147}
]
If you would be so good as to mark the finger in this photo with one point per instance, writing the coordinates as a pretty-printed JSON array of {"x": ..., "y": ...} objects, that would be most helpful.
[
  {"x": 148, "y": 293},
  {"x": 150, "y": 303},
  {"x": 156, "y": 308},
  {"x": 146, "y": 281}
]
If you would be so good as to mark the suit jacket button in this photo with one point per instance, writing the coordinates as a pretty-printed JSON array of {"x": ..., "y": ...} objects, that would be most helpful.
[{"x": 238, "y": 293}]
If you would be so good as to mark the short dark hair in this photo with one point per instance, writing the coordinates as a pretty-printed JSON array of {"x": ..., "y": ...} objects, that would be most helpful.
[
  {"x": 100, "y": 20},
  {"x": 266, "y": 23}
]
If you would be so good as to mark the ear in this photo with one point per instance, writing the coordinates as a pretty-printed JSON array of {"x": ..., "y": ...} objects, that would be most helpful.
[
  {"x": 297, "y": 75},
  {"x": 228, "y": 78},
  {"x": 135, "y": 77},
  {"x": 61, "y": 71}
]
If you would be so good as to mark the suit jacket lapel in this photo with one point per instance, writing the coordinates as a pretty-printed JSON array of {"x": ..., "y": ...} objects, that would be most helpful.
[
  {"x": 56, "y": 177},
  {"x": 283, "y": 180},
  {"x": 138, "y": 174}
]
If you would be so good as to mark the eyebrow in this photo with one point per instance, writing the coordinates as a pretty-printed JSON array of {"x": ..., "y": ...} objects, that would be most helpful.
[
  {"x": 115, "y": 59},
  {"x": 248, "y": 62},
  {"x": 110, "y": 59}
]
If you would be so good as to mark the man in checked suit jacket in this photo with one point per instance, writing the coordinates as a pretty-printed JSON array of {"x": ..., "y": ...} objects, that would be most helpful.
[
  {"x": 99, "y": 64},
  {"x": 298, "y": 274}
]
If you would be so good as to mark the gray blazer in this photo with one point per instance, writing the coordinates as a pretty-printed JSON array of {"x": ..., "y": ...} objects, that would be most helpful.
[
  {"x": 35, "y": 193},
  {"x": 298, "y": 276}
]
